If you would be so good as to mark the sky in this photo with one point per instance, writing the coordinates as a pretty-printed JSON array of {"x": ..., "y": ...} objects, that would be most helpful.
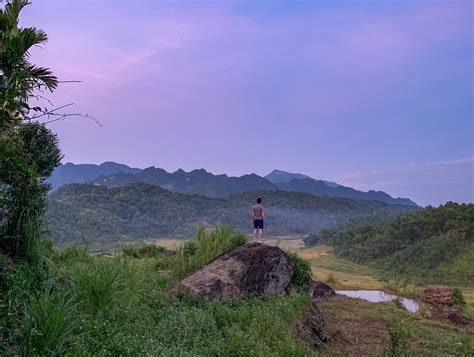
[{"x": 370, "y": 94}]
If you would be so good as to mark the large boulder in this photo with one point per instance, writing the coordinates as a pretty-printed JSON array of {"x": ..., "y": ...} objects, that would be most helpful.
[{"x": 253, "y": 269}]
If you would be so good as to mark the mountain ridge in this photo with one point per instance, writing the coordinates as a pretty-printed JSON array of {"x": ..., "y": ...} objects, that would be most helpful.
[{"x": 202, "y": 182}]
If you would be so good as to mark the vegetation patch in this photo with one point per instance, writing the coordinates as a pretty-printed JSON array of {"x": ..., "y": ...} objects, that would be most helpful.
[
  {"x": 301, "y": 270},
  {"x": 429, "y": 246},
  {"x": 359, "y": 327},
  {"x": 123, "y": 306}
]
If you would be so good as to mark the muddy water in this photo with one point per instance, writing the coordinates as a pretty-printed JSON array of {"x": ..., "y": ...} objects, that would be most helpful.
[{"x": 379, "y": 296}]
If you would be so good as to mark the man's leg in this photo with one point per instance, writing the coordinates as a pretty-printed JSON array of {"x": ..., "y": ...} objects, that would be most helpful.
[
  {"x": 261, "y": 233},
  {"x": 254, "y": 234}
]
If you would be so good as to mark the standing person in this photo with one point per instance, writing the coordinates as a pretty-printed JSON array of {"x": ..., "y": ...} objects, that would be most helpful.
[{"x": 258, "y": 216}]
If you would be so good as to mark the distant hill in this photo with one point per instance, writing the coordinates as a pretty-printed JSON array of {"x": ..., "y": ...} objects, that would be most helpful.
[
  {"x": 207, "y": 184},
  {"x": 320, "y": 188},
  {"x": 79, "y": 173},
  {"x": 99, "y": 215},
  {"x": 431, "y": 245},
  {"x": 279, "y": 176}
]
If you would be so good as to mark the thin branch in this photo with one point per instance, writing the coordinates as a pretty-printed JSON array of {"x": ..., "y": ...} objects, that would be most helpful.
[
  {"x": 64, "y": 116},
  {"x": 51, "y": 112},
  {"x": 70, "y": 81}
]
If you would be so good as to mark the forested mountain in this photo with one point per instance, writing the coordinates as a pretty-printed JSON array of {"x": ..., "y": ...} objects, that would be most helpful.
[
  {"x": 90, "y": 213},
  {"x": 207, "y": 184},
  {"x": 79, "y": 173},
  {"x": 430, "y": 245}
]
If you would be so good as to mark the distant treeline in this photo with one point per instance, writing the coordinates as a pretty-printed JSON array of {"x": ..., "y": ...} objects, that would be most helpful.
[{"x": 432, "y": 244}]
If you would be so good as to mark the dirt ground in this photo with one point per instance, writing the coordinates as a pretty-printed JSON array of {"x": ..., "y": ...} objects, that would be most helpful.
[{"x": 284, "y": 242}]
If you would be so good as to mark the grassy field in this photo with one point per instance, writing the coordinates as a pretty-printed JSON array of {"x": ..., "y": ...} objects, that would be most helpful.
[
  {"x": 360, "y": 328},
  {"x": 340, "y": 273},
  {"x": 125, "y": 304}
]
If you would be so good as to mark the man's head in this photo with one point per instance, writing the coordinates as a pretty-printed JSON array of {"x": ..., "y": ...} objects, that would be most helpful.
[{"x": 259, "y": 200}]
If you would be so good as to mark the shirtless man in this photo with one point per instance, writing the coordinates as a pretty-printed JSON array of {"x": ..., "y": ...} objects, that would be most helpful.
[{"x": 258, "y": 216}]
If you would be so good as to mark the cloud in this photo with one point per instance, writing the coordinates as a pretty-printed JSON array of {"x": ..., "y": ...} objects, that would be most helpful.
[{"x": 429, "y": 183}]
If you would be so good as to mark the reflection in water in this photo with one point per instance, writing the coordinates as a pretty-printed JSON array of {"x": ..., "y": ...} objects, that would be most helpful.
[{"x": 379, "y": 296}]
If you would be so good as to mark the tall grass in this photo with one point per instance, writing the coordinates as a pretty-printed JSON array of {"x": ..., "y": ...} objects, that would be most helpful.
[
  {"x": 51, "y": 323},
  {"x": 194, "y": 254},
  {"x": 75, "y": 252},
  {"x": 100, "y": 283}
]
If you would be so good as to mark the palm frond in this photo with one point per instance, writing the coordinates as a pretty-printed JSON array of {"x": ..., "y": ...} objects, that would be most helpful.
[
  {"x": 42, "y": 76},
  {"x": 13, "y": 9}
]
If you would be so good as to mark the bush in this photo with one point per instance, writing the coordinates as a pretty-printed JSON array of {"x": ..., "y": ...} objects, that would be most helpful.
[
  {"x": 331, "y": 279},
  {"x": 458, "y": 297},
  {"x": 301, "y": 270},
  {"x": 238, "y": 240},
  {"x": 143, "y": 251}
]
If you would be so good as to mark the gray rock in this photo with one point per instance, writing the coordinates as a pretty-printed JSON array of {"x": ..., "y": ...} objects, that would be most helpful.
[
  {"x": 253, "y": 269},
  {"x": 312, "y": 329},
  {"x": 318, "y": 289}
]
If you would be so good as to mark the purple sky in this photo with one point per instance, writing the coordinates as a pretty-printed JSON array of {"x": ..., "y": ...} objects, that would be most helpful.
[{"x": 374, "y": 95}]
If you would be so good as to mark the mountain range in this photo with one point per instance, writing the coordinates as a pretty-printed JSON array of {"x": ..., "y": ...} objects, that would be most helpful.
[{"x": 204, "y": 183}]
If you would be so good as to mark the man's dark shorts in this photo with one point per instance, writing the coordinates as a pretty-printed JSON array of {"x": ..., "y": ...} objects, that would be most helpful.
[{"x": 258, "y": 223}]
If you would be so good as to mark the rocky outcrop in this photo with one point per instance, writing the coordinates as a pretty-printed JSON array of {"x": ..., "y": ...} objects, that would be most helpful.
[
  {"x": 312, "y": 330},
  {"x": 320, "y": 290},
  {"x": 253, "y": 269},
  {"x": 438, "y": 295}
]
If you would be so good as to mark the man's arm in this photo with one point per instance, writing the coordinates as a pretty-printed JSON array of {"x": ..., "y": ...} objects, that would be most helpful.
[{"x": 263, "y": 215}]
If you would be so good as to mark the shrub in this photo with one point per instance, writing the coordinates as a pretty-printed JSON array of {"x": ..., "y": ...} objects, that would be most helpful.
[
  {"x": 398, "y": 337},
  {"x": 143, "y": 251},
  {"x": 458, "y": 297},
  {"x": 238, "y": 240},
  {"x": 331, "y": 279},
  {"x": 301, "y": 270}
]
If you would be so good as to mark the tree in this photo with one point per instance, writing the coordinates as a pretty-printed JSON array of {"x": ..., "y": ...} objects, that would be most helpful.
[{"x": 29, "y": 151}]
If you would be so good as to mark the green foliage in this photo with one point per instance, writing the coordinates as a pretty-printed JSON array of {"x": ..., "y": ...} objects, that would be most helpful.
[
  {"x": 99, "y": 284},
  {"x": 426, "y": 245},
  {"x": 73, "y": 253},
  {"x": 123, "y": 306},
  {"x": 51, "y": 323},
  {"x": 143, "y": 251},
  {"x": 398, "y": 338},
  {"x": 19, "y": 79},
  {"x": 29, "y": 151},
  {"x": 458, "y": 297},
  {"x": 301, "y": 270},
  {"x": 194, "y": 254}
]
